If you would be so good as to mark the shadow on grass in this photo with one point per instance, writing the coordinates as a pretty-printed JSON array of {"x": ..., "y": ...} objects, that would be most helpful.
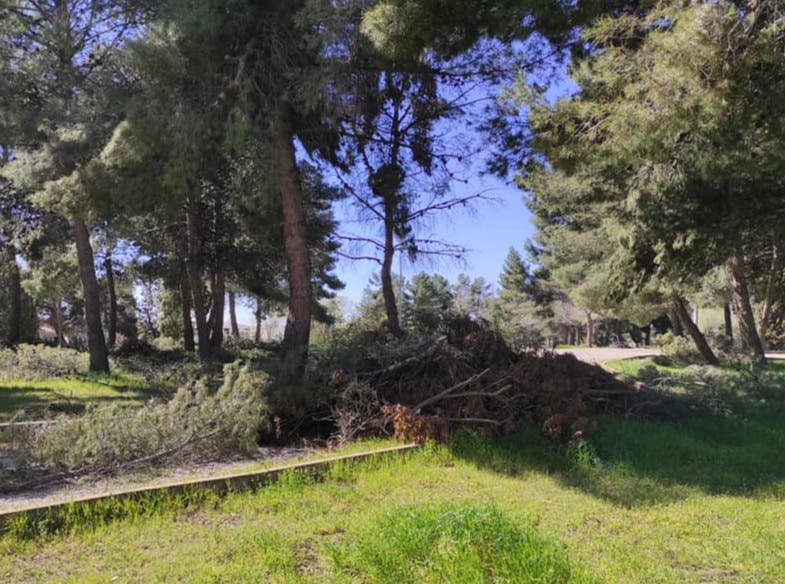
[
  {"x": 634, "y": 462},
  {"x": 37, "y": 401}
]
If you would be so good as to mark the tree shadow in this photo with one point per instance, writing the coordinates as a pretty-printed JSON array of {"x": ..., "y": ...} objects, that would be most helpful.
[
  {"x": 635, "y": 462},
  {"x": 22, "y": 402}
]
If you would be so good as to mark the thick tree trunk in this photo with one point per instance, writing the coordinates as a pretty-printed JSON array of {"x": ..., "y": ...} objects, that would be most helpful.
[
  {"x": 298, "y": 259},
  {"x": 194, "y": 245},
  {"x": 14, "y": 332},
  {"x": 647, "y": 335},
  {"x": 728, "y": 320},
  {"x": 59, "y": 324},
  {"x": 112, "y": 324},
  {"x": 768, "y": 301},
  {"x": 743, "y": 308},
  {"x": 233, "y": 315},
  {"x": 185, "y": 306},
  {"x": 388, "y": 292},
  {"x": 257, "y": 336},
  {"x": 676, "y": 325},
  {"x": 680, "y": 313},
  {"x": 99, "y": 358},
  {"x": 218, "y": 289}
]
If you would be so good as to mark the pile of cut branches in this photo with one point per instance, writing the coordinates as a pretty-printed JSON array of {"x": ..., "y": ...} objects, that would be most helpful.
[{"x": 421, "y": 389}]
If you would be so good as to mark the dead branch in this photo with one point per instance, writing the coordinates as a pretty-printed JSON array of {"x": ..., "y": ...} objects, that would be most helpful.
[{"x": 449, "y": 390}]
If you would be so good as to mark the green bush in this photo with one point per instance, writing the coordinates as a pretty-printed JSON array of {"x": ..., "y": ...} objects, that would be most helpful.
[
  {"x": 195, "y": 423},
  {"x": 452, "y": 543},
  {"x": 33, "y": 362},
  {"x": 662, "y": 360},
  {"x": 677, "y": 347}
]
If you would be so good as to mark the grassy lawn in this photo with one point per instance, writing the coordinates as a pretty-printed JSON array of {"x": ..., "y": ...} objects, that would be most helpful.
[
  {"x": 632, "y": 367},
  {"x": 40, "y": 399},
  {"x": 641, "y": 502}
]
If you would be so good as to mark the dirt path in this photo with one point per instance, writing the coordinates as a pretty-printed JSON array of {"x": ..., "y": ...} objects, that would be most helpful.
[{"x": 601, "y": 354}]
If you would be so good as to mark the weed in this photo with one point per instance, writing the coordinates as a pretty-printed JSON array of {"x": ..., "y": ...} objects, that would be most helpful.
[{"x": 452, "y": 543}]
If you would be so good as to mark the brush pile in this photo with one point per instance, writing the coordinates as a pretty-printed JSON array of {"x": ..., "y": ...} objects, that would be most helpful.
[{"x": 469, "y": 376}]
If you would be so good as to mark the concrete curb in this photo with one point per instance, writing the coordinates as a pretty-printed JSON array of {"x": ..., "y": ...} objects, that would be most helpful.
[{"x": 219, "y": 484}]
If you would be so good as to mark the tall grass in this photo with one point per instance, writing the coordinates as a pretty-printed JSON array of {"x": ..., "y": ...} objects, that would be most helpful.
[{"x": 453, "y": 543}]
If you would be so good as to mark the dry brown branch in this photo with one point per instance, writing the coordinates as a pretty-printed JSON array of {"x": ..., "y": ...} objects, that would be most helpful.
[{"x": 438, "y": 396}]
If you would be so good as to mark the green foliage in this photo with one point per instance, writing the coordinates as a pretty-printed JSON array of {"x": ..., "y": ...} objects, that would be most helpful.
[
  {"x": 453, "y": 543},
  {"x": 663, "y": 165},
  {"x": 677, "y": 347},
  {"x": 196, "y": 422},
  {"x": 428, "y": 303},
  {"x": 406, "y": 29},
  {"x": 524, "y": 305},
  {"x": 35, "y": 362}
]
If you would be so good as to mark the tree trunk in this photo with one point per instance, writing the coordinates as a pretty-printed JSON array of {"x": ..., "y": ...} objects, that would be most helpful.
[
  {"x": 728, "y": 321},
  {"x": 195, "y": 280},
  {"x": 676, "y": 325},
  {"x": 233, "y": 315},
  {"x": 743, "y": 308},
  {"x": 589, "y": 329},
  {"x": 14, "y": 332},
  {"x": 257, "y": 336},
  {"x": 218, "y": 289},
  {"x": 768, "y": 301},
  {"x": 647, "y": 335},
  {"x": 185, "y": 306},
  {"x": 99, "y": 359},
  {"x": 59, "y": 325},
  {"x": 112, "y": 325},
  {"x": 681, "y": 314},
  {"x": 388, "y": 292},
  {"x": 298, "y": 260}
]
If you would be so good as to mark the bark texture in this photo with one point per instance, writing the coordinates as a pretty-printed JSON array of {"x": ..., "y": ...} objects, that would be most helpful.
[
  {"x": 99, "y": 358},
  {"x": 194, "y": 245},
  {"x": 59, "y": 321},
  {"x": 218, "y": 289},
  {"x": 258, "y": 316},
  {"x": 771, "y": 291},
  {"x": 233, "y": 315},
  {"x": 728, "y": 320},
  {"x": 111, "y": 329},
  {"x": 388, "y": 292},
  {"x": 185, "y": 306},
  {"x": 298, "y": 261},
  {"x": 743, "y": 308},
  {"x": 680, "y": 313}
]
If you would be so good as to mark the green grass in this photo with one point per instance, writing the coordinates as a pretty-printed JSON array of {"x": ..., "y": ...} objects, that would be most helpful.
[
  {"x": 632, "y": 367},
  {"x": 641, "y": 502},
  {"x": 40, "y": 399}
]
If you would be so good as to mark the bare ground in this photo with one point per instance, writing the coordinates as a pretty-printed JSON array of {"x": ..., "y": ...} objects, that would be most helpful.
[{"x": 602, "y": 354}]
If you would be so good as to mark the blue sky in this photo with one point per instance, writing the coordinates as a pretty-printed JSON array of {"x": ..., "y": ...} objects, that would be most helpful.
[{"x": 487, "y": 230}]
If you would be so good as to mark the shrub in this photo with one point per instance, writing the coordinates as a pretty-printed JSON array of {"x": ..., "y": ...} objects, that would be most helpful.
[
  {"x": 195, "y": 423},
  {"x": 662, "y": 360},
  {"x": 676, "y": 347},
  {"x": 32, "y": 362},
  {"x": 452, "y": 543}
]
